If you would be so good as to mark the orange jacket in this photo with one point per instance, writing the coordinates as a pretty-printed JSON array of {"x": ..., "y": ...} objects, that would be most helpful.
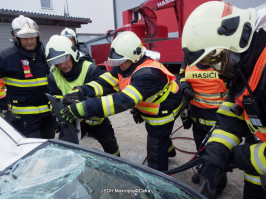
[
  {"x": 209, "y": 88},
  {"x": 2, "y": 89},
  {"x": 152, "y": 107}
]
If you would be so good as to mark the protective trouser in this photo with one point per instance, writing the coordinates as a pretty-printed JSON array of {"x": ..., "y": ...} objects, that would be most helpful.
[
  {"x": 157, "y": 145},
  {"x": 253, "y": 191},
  {"x": 105, "y": 135},
  {"x": 37, "y": 125}
]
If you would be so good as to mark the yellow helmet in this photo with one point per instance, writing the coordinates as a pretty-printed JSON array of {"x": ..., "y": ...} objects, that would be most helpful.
[
  {"x": 214, "y": 27},
  {"x": 126, "y": 46},
  {"x": 59, "y": 49}
]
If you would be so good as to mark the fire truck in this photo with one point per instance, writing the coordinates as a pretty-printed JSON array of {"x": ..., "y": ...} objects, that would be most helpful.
[{"x": 153, "y": 22}]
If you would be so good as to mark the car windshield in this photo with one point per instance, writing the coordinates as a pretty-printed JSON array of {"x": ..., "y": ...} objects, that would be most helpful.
[{"x": 58, "y": 171}]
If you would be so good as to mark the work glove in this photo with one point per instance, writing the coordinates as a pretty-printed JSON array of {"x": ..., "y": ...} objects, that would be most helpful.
[
  {"x": 136, "y": 115},
  {"x": 73, "y": 111},
  {"x": 72, "y": 96},
  {"x": 187, "y": 122},
  {"x": 188, "y": 93},
  {"x": 212, "y": 174}
]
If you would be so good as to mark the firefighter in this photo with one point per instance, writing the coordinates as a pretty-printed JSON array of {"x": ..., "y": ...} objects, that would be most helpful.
[
  {"x": 71, "y": 34},
  {"x": 68, "y": 71},
  {"x": 24, "y": 70},
  {"x": 134, "y": 81},
  {"x": 234, "y": 46},
  {"x": 204, "y": 91}
]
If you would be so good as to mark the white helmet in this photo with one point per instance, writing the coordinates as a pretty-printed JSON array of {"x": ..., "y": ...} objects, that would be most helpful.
[
  {"x": 69, "y": 33},
  {"x": 59, "y": 49},
  {"x": 126, "y": 46},
  {"x": 24, "y": 27},
  {"x": 216, "y": 27}
]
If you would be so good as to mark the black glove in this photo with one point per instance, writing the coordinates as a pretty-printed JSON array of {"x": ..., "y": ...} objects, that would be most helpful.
[
  {"x": 73, "y": 96},
  {"x": 136, "y": 115},
  {"x": 212, "y": 174},
  {"x": 187, "y": 122},
  {"x": 188, "y": 93}
]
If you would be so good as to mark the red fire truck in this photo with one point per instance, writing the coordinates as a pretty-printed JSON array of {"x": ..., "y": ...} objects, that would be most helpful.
[{"x": 158, "y": 18}]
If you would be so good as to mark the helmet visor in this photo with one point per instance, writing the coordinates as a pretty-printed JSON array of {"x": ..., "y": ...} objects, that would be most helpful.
[
  {"x": 115, "y": 59},
  {"x": 59, "y": 60},
  {"x": 111, "y": 62}
]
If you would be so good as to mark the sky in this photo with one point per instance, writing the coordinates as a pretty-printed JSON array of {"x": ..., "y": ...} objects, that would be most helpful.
[{"x": 99, "y": 11}]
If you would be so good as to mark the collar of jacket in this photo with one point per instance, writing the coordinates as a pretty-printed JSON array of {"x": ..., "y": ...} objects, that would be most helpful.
[
  {"x": 28, "y": 54},
  {"x": 131, "y": 69}
]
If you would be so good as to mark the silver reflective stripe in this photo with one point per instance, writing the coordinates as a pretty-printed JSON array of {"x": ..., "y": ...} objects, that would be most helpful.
[
  {"x": 128, "y": 89},
  {"x": 33, "y": 82},
  {"x": 159, "y": 121},
  {"x": 96, "y": 87},
  {"x": 110, "y": 78},
  {"x": 257, "y": 158},
  {"x": 107, "y": 105},
  {"x": 226, "y": 108},
  {"x": 252, "y": 179},
  {"x": 224, "y": 137},
  {"x": 30, "y": 110},
  {"x": 216, "y": 102},
  {"x": 207, "y": 122}
]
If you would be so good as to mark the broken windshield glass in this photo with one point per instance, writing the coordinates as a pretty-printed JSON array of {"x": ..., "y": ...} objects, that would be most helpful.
[{"x": 59, "y": 172}]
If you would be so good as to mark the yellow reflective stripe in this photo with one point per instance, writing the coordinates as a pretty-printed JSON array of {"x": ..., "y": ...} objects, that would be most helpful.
[
  {"x": 207, "y": 122},
  {"x": 116, "y": 153},
  {"x": 109, "y": 78},
  {"x": 209, "y": 102},
  {"x": 94, "y": 121},
  {"x": 171, "y": 147},
  {"x": 225, "y": 110},
  {"x": 162, "y": 120},
  {"x": 257, "y": 157},
  {"x": 30, "y": 109},
  {"x": 98, "y": 89},
  {"x": 217, "y": 95},
  {"x": 252, "y": 179},
  {"x": 225, "y": 138},
  {"x": 108, "y": 105},
  {"x": 182, "y": 80},
  {"x": 26, "y": 82},
  {"x": 59, "y": 96},
  {"x": 133, "y": 93}
]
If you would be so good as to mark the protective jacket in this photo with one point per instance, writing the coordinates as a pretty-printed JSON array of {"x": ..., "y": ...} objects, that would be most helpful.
[
  {"x": 25, "y": 77},
  {"x": 210, "y": 92},
  {"x": 2, "y": 89},
  {"x": 81, "y": 73},
  {"x": 234, "y": 125},
  {"x": 147, "y": 85}
]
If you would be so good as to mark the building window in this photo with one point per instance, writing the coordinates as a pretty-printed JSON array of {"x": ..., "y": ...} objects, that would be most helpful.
[{"x": 46, "y": 4}]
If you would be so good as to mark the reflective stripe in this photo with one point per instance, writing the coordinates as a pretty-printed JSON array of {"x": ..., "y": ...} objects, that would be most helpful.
[
  {"x": 26, "y": 83},
  {"x": 30, "y": 109},
  {"x": 207, "y": 122},
  {"x": 133, "y": 93},
  {"x": 171, "y": 148},
  {"x": 162, "y": 120},
  {"x": 97, "y": 88},
  {"x": 217, "y": 95},
  {"x": 108, "y": 105},
  {"x": 252, "y": 179},
  {"x": 116, "y": 153},
  {"x": 225, "y": 138},
  {"x": 182, "y": 80},
  {"x": 93, "y": 121},
  {"x": 111, "y": 80},
  {"x": 257, "y": 157},
  {"x": 210, "y": 102},
  {"x": 225, "y": 110}
]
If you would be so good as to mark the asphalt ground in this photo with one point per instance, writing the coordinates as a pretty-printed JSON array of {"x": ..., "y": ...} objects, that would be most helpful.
[{"x": 132, "y": 137}]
